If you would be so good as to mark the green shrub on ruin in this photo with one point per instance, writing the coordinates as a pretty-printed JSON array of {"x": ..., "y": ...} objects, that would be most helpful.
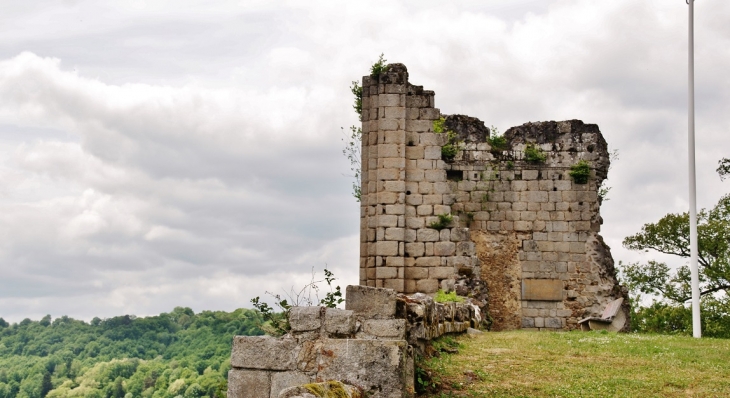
[
  {"x": 534, "y": 154},
  {"x": 580, "y": 172},
  {"x": 444, "y": 221},
  {"x": 451, "y": 297}
]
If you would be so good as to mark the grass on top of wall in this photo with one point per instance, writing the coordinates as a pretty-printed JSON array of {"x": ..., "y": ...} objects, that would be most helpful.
[{"x": 584, "y": 364}]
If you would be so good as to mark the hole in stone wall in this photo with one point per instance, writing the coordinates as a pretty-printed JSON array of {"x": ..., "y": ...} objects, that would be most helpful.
[
  {"x": 560, "y": 176},
  {"x": 591, "y": 148},
  {"x": 555, "y": 188},
  {"x": 410, "y": 143},
  {"x": 580, "y": 203},
  {"x": 454, "y": 175},
  {"x": 408, "y": 192},
  {"x": 476, "y": 176}
]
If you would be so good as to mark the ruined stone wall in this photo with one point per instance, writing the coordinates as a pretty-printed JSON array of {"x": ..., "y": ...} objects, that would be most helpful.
[
  {"x": 525, "y": 228},
  {"x": 368, "y": 345}
]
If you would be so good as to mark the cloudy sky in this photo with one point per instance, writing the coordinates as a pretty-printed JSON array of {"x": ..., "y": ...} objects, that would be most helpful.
[{"x": 188, "y": 153}]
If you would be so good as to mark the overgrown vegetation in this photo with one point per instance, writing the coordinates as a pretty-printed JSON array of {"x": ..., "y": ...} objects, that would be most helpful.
[
  {"x": 453, "y": 144},
  {"x": 723, "y": 169},
  {"x": 580, "y": 172},
  {"x": 379, "y": 67},
  {"x": 580, "y": 364},
  {"x": 603, "y": 189},
  {"x": 534, "y": 154},
  {"x": 276, "y": 323},
  {"x": 430, "y": 369},
  {"x": 444, "y": 221},
  {"x": 496, "y": 140},
  {"x": 353, "y": 139},
  {"x": 173, "y": 354},
  {"x": 450, "y": 297}
]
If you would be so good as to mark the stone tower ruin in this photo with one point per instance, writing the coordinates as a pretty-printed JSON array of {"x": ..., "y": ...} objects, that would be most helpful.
[{"x": 520, "y": 225}]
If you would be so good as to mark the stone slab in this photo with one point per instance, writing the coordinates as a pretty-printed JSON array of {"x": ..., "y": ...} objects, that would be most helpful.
[
  {"x": 244, "y": 383},
  {"x": 339, "y": 322},
  {"x": 542, "y": 289},
  {"x": 283, "y": 380},
  {"x": 371, "y": 302},
  {"x": 378, "y": 366},
  {"x": 264, "y": 352},
  {"x": 304, "y": 319}
]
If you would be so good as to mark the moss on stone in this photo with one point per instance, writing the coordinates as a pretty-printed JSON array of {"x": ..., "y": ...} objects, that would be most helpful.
[{"x": 331, "y": 389}]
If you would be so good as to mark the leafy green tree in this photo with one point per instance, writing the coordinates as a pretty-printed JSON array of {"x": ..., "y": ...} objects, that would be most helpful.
[{"x": 670, "y": 235}]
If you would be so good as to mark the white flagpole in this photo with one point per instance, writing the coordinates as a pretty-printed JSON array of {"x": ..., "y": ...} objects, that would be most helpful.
[{"x": 696, "y": 325}]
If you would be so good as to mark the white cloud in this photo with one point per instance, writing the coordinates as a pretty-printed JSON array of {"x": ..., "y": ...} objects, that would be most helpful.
[{"x": 156, "y": 155}]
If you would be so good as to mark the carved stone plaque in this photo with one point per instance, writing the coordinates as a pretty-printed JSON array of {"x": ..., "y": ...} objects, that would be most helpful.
[{"x": 542, "y": 289}]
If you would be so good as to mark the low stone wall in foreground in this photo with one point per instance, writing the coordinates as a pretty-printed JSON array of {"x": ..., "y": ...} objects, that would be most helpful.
[{"x": 370, "y": 344}]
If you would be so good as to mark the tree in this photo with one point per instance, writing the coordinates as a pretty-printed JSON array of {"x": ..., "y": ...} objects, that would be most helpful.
[{"x": 670, "y": 235}]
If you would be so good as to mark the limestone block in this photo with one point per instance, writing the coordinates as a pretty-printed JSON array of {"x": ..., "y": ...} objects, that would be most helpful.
[
  {"x": 264, "y": 352},
  {"x": 376, "y": 365},
  {"x": 395, "y": 113},
  {"x": 390, "y": 100},
  {"x": 542, "y": 289},
  {"x": 394, "y": 234},
  {"x": 415, "y": 175},
  {"x": 441, "y": 272},
  {"x": 427, "y": 235},
  {"x": 396, "y": 261},
  {"x": 428, "y": 261},
  {"x": 420, "y": 126},
  {"x": 435, "y": 175},
  {"x": 249, "y": 383},
  {"x": 427, "y": 285},
  {"x": 395, "y": 209},
  {"x": 415, "y": 153},
  {"x": 392, "y": 163},
  {"x": 432, "y": 199},
  {"x": 424, "y": 210},
  {"x": 304, "y": 319},
  {"x": 432, "y": 152},
  {"x": 339, "y": 322},
  {"x": 386, "y": 248},
  {"x": 386, "y": 272},
  {"x": 430, "y": 113},
  {"x": 395, "y": 284},
  {"x": 416, "y": 273},
  {"x": 444, "y": 248},
  {"x": 415, "y": 249},
  {"x": 553, "y": 323},
  {"x": 283, "y": 380},
  {"x": 368, "y": 302},
  {"x": 386, "y": 328}
]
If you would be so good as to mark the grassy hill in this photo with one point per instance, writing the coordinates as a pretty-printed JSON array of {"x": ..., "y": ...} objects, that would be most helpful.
[{"x": 579, "y": 364}]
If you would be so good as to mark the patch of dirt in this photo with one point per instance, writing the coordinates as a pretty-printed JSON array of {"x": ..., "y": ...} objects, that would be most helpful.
[{"x": 502, "y": 272}]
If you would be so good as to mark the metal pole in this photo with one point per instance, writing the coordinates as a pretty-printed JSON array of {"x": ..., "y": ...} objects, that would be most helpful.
[{"x": 696, "y": 324}]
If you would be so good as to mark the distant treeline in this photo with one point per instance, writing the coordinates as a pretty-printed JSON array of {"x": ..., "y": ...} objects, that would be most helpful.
[{"x": 176, "y": 354}]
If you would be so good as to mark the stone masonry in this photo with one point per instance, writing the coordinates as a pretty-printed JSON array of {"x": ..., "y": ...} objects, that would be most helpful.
[
  {"x": 524, "y": 228},
  {"x": 369, "y": 345}
]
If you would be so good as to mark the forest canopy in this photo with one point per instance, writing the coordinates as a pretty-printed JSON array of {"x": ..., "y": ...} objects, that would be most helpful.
[{"x": 172, "y": 354}]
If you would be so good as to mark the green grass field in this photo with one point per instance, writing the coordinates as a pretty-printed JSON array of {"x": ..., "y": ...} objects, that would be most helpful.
[{"x": 579, "y": 364}]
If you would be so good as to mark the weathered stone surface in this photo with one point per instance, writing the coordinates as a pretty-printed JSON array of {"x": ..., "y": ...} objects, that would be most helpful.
[
  {"x": 303, "y": 319},
  {"x": 264, "y": 352},
  {"x": 284, "y": 380},
  {"x": 249, "y": 383},
  {"x": 378, "y": 366},
  {"x": 370, "y": 302},
  {"x": 542, "y": 289},
  {"x": 336, "y": 388},
  {"x": 339, "y": 322},
  {"x": 386, "y": 328}
]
